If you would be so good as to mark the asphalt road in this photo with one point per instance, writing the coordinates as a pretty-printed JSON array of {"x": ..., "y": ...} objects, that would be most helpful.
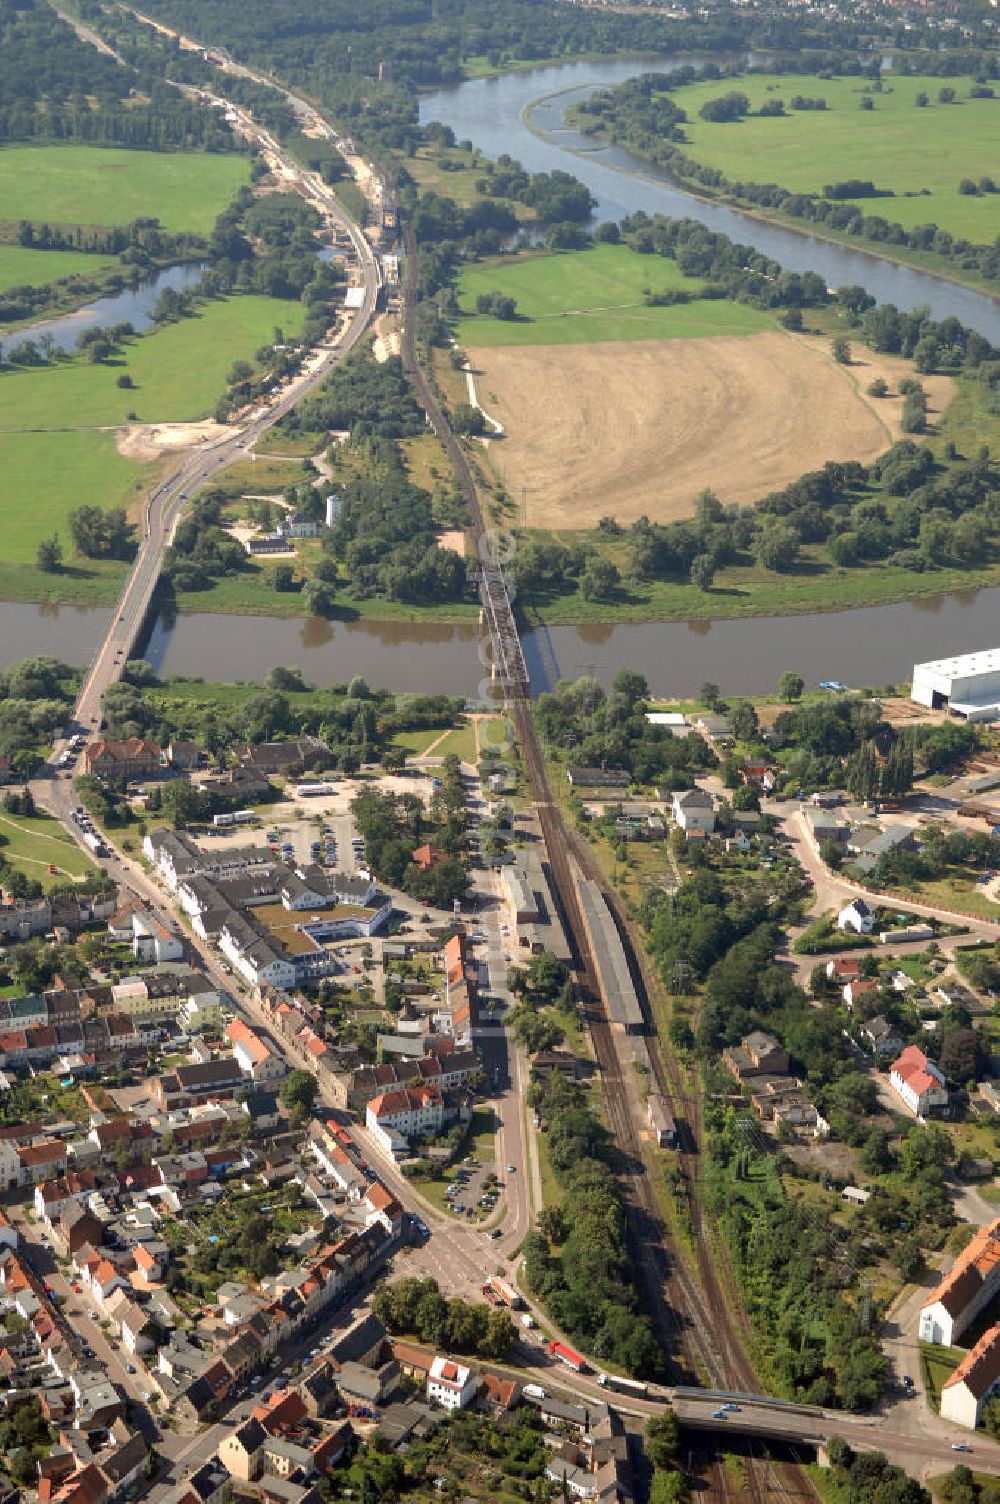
[{"x": 200, "y": 465}]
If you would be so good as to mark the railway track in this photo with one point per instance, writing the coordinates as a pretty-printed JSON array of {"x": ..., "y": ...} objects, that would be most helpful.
[{"x": 691, "y": 1314}]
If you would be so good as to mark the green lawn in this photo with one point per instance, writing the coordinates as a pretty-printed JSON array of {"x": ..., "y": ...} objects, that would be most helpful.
[
  {"x": 98, "y": 185},
  {"x": 937, "y": 1364},
  {"x": 21, "y": 267},
  {"x": 461, "y": 743},
  {"x": 178, "y": 370},
  {"x": 581, "y": 297},
  {"x": 33, "y": 842},
  {"x": 896, "y": 145}
]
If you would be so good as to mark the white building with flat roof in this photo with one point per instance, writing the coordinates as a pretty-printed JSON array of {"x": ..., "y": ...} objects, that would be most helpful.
[{"x": 968, "y": 684}]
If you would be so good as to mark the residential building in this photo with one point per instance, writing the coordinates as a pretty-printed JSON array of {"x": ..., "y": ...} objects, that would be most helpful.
[
  {"x": 968, "y": 1287},
  {"x": 826, "y": 827},
  {"x": 427, "y": 856},
  {"x": 252, "y": 1054},
  {"x": 242, "y": 1451},
  {"x": 451, "y": 1385},
  {"x": 918, "y": 1080},
  {"x": 882, "y": 1037},
  {"x": 693, "y": 810},
  {"x": 395, "y": 1116},
  {"x": 138, "y": 757},
  {"x": 757, "y": 1054},
  {"x": 966, "y": 1390},
  {"x": 184, "y": 755},
  {"x": 856, "y": 916},
  {"x": 152, "y": 941}
]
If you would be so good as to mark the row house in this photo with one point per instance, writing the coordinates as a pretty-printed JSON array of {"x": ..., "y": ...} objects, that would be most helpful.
[
  {"x": 396, "y": 1116},
  {"x": 967, "y": 1289},
  {"x": 339, "y": 1162},
  {"x": 357, "y": 1088},
  {"x": 53, "y": 1196},
  {"x": 176, "y": 855},
  {"x": 253, "y": 1056}
]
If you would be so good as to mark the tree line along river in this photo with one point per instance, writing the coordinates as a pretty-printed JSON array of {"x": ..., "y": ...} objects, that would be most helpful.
[{"x": 871, "y": 645}]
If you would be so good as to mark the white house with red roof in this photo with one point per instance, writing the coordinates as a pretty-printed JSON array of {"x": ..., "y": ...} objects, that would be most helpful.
[
  {"x": 396, "y": 1115},
  {"x": 918, "y": 1080},
  {"x": 451, "y": 1385},
  {"x": 974, "y": 1381},
  {"x": 251, "y": 1053},
  {"x": 383, "y": 1208}
]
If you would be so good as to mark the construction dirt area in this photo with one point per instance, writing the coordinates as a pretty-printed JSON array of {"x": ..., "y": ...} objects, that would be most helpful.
[{"x": 639, "y": 428}]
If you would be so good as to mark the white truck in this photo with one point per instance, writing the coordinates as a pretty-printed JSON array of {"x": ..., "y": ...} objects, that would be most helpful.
[
  {"x": 533, "y": 1392},
  {"x": 527, "y": 1321}
]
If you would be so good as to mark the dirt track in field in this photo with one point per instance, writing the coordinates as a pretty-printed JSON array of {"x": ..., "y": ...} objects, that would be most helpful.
[{"x": 637, "y": 428}]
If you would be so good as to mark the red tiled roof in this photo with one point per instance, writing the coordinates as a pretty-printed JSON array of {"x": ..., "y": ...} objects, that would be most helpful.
[{"x": 979, "y": 1370}]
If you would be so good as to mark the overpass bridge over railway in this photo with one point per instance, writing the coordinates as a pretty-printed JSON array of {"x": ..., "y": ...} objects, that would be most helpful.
[{"x": 907, "y": 1433}]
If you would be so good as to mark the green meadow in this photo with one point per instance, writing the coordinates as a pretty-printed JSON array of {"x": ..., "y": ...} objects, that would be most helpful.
[
  {"x": 583, "y": 297},
  {"x": 97, "y": 185},
  {"x": 57, "y": 439},
  {"x": 896, "y": 144},
  {"x": 21, "y": 267},
  {"x": 33, "y": 843},
  {"x": 178, "y": 371}
]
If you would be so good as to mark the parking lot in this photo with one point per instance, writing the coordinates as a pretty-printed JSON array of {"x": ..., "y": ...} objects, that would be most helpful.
[{"x": 475, "y": 1188}]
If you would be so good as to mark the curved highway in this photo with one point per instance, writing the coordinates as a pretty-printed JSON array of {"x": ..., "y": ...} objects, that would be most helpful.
[{"x": 200, "y": 465}]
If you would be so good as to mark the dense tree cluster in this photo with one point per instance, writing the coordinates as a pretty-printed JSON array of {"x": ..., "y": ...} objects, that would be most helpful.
[
  {"x": 357, "y": 723},
  {"x": 35, "y": 697},
  {"x": 99, "y": 534},
  {"x": 394, "y": 825},
  {"x": 53, "y": 86},
  {"x": 578, "y": 1262},
  {"x": 598, "y": 729},
  {"x": 416, "y": 1307},
  {"x": 364, "y": 397},
  {"x": 386, "y": 534},
  {"x": 794, "y": 1269}
]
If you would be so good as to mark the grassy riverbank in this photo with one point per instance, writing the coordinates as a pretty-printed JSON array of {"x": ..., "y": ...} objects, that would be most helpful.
[
  {"x": 929, "y": 164},
  {"x": 22, "y": 266}
]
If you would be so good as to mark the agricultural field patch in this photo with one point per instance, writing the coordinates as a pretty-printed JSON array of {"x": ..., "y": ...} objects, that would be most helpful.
[{"x": 626, "y": 430}]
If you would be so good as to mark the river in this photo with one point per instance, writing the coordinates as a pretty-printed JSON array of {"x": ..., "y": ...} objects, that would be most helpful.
[
  {"x": 876, "y": 645},
  {"x": 490, "y": 112},
  {"x": 133, "y": 305}
]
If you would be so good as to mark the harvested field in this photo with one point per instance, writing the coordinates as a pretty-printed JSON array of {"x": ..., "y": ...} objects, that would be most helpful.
[{"x": 626, "y": 429}]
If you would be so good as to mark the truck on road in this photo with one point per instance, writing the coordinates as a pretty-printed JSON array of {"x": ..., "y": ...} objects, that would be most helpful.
[
  {"x": 498, "y": 1290},
  {"x": 533, "y": 1392},
  {"x": 568, "y": 1356}
]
